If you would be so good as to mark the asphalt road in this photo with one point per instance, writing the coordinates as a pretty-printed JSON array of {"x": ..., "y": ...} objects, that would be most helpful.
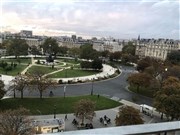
[{"x": 116, "y": 87}]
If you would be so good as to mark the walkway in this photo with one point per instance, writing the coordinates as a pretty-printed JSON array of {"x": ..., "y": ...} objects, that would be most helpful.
[
  {"x": 110, "y": 113},
  {"x": 107, "y": 71}
]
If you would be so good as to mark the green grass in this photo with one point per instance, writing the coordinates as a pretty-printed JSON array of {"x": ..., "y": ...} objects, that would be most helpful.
[
  {"x": 143, "y": 91},
  {"x": 44, "y": 70},
  {"x": 22, "y": 60},
  {"x": 15, "y": 71},
  {"x": 46, "y": 105},
  {"x": 73, "y": 73}
]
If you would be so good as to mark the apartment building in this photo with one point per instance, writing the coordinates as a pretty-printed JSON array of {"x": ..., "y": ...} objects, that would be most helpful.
[{"x": 157, "y": 48}]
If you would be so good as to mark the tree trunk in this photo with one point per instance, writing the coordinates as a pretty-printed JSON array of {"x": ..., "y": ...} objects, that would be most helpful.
[
  {"x": 21, "y": 94},
  {"x": 40, "y": 94},
  {"x": 82, "y": 120},
  {"x": 137, "y": 89},
  {"x": 14, "y": 94}
]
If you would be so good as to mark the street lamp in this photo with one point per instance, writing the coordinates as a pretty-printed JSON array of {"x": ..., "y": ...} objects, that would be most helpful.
[
  {"x": 50, "y": 49},
  {"x": 54, "y": 111},
  {"x": 64, "y": 91},
  {"x": 92, "y": 88}
]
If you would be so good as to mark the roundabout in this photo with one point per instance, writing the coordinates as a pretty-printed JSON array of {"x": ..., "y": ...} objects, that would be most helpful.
[{"x": 115, "y": 88}]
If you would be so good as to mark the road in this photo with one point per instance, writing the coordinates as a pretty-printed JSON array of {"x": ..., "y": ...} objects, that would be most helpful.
[{"x": 116, "y": 87}]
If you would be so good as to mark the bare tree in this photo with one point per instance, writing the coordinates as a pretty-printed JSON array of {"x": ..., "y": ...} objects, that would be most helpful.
[
  {"x": 40, "y": 83},
  {"x": 16, "y": 122},
  {"x": 19, "y": 83}
]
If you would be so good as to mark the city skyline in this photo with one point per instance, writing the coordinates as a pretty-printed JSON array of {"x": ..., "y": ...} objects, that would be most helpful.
[{"x": 100, "y": 18}]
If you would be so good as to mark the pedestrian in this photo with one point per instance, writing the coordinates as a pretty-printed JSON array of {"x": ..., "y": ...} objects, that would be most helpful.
[
  {"x": 66, "y": 117},
  {"x": 98, "y": 96}
]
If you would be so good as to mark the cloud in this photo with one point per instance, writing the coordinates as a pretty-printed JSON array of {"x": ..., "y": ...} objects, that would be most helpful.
[{"x": 121, "y": 19}]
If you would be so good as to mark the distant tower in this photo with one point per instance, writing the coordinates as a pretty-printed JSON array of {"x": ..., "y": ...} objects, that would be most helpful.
[{"x": 139, "y": 38}]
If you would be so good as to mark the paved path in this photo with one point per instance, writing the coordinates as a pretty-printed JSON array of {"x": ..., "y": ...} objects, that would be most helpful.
[{"x": 110, "y": 113}]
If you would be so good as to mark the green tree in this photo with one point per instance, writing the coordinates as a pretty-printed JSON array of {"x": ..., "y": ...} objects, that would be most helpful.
[
  {"x": 139, "y": 80},
  {"x": 174, "y": 57},
  {"x": 87, "y": 52},
  {"x": 50, "y": 46},
  {"x": 17, "y": 47},
  {"x": 84, "y": 109},
  {"x": 167, "y": 100},
  {"x": 16, "y": 122},
  {"x": 2, "y": 90},
  {"x": 105, "y": 53},
  {"x": 97, "y": 64},
  {"x": 129, "y": 49},
  {"x": 63, "y": 50},
  {"x": 128, "y": 116},
  {"x": 115, "y": 56},
  {"x": 75, "y": 52},
  {"x": 34, "y": 50}
]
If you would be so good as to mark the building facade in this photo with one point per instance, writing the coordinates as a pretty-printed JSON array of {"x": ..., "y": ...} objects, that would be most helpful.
[{"x": 156, "y": 48}]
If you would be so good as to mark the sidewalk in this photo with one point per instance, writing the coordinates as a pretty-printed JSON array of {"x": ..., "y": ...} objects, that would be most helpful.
[{"x": 110, "y": 113}]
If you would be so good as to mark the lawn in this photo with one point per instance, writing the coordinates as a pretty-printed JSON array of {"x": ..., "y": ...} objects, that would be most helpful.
[
  {"x": 43, "y": 69},
  {"x": 73, "y": 73},
  {"x": 143, "y": 91},
  {"x": 63, "y": 105},
  {"x": 15, "y": 71},
  {"x": 22, "y": 60}
]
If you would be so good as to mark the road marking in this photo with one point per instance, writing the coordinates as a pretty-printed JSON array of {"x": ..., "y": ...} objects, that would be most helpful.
[{"x": 151, "y": 120}]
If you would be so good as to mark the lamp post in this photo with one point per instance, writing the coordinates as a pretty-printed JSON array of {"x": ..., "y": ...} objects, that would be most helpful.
[
  {"x": 49, "y": 49},
  {"x": 92, "y": 87},
  {"x": 64, "y": 91},
  {"x": 54, "y": 111}
]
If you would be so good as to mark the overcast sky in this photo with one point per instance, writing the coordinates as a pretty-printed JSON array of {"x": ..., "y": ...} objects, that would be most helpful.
[{"x": 101, "y": 18}]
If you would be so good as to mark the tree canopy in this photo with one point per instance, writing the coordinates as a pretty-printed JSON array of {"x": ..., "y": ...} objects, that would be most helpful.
[
  {"x": 50, "y": 46},
  {"x": 84, "y": 108},
  {"x": 87, "y": 52},
  {"x": 139, "y": 80},
  {"x": 16, "y": 47},
  {"x": 128, "y": 116},
  {"x": 174, "y": 57},
  {"x": 167, "y": 100},
  {"x": 129, "y": 49},
  {"x": 16, "y": 122},
  {"x": 2, "y": 90}
]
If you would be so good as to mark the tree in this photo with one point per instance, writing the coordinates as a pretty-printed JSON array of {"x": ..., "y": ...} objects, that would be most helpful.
[
  {"x": 34, "y": 50},
  {"x": 105, "y": 53},
  {"x": 174, "y": 57},
  {"x": 39, "y": 82},
  {"x": 19, "y": 84},
  {"x": 97, "y": 64},
  {"x": 50, "y": 46},
  {"x": 17, "y": 47},
  {"x": 87, "y": 52},
  {"x": 74, "y": 51},
  {"x": 167, "y": 100},
  {"x": 84, "y": 108},
  {"x": 129, "y": 49},
  {"x": 63, "y": 50},
  {"x": 2, "y": 90},
  {"x": 16, "y": 122},
  {"x": 128, "y": 116},
  {"x": 139, "y": 80},
  {"x": 115, "y": 56}
]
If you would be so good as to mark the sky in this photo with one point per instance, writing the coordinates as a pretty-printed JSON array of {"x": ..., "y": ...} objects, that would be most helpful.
[{"x": 122, "y": 19}]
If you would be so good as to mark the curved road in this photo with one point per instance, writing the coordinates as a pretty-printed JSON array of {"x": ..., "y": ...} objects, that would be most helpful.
[{"x": 116, "y": 87}]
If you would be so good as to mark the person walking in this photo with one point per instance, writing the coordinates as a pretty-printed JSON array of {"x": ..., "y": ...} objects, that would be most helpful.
[{"x": 66, "y": 117}]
